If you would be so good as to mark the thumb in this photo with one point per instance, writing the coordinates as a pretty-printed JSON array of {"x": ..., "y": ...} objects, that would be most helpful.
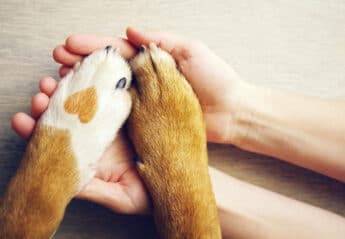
[
  {"x": 108, "y": 194},
  {"x": 164, "y": 40}
]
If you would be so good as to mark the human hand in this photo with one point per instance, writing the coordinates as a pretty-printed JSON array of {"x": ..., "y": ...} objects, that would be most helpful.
[
  {"x": 116, "y": 184},
  {"x": 216, "y": 84}
]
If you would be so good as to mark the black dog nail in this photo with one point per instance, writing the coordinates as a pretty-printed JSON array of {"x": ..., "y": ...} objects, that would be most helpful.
[
  {"x": 121, "y": 83},
  {"x": 136, "y": 159},
  {"x": 142, "y": 48},
  {"x": 108, "y": 48}
]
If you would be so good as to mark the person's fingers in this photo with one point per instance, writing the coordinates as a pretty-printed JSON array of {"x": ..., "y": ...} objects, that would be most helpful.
[
  {"x": 48, "y": 85},
  {"x": 23, "y": 124},
  {"x": 64, "y": 70},
  {"x": 39, "y": 104},
  {"x": 108, "y": 194},
  {"x": 63, "y": 56},
  {"x": 166, "y": 41},
  {"x": 81, "y": 44}
]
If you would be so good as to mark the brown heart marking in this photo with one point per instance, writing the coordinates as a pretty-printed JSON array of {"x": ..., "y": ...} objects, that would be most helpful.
[{"x": 83, "y": 103}]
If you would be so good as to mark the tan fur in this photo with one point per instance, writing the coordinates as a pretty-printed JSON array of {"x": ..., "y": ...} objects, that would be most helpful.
[
  {"x": 167, "y": 129},
  {"x": 45, "y": 182},
  {"x": 83, "y": 103},
  {"x": 62, "y": 155}
]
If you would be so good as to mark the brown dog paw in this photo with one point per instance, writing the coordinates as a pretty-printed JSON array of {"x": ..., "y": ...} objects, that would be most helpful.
[
  {"x": 165, "y": 108},
  {"x": 167, "y": 130}
]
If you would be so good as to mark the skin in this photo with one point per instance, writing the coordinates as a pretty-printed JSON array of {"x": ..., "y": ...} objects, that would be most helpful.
[{"x": 231, "y": 118}]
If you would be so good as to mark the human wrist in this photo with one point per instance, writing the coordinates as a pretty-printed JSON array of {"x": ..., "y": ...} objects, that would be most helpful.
[
  {"x": 258, "y": 123},
  {"x": 239, "y": 113},
  {"x": 251, "y": 114},
  {"x": 289, "y": 127}
]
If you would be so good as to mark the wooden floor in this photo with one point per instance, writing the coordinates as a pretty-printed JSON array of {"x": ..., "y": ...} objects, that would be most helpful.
[{"x": 294, "y": 45}]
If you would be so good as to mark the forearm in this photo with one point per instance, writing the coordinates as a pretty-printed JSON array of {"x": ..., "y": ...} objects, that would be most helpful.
[
  {"x": 305, "y": 131},
  {"x": 247, "y": 211}
]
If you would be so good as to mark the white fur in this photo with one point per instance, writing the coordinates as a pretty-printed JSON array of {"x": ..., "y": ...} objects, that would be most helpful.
[{"x": 89, "y": 140}]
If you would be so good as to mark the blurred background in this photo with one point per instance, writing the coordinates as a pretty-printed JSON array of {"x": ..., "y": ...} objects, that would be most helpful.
[{"x": 293, "y": 45}]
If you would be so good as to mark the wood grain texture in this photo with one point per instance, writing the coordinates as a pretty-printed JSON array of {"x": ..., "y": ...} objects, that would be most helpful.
[{"x": 294, "y": 45}]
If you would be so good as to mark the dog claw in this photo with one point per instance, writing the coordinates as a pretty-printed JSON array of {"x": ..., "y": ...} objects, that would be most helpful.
[
  {"x": 121, "y": 83},
  {"x": 108, "y": 48},
  {"x": 142, "y": 48}
]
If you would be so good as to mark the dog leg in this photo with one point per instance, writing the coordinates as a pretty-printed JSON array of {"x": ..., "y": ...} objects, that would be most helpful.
[
  {"x": 168, "y": 132},
  {"x": 83, "y": 117}
]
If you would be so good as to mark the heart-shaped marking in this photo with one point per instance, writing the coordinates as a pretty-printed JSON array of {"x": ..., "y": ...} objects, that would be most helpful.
[{"x": 83, "y": 103}]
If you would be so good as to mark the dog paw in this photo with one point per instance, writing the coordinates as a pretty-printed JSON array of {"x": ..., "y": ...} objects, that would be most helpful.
[
  {"x": 165, "y": 110},
  {"x": 167, "y": 130},
  {"x": 91, "y": 103},
  {"x": 158, "y": 77}
]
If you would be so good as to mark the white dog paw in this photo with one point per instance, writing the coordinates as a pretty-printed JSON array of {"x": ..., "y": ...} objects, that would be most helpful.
[{"x": 92, "y": 103}]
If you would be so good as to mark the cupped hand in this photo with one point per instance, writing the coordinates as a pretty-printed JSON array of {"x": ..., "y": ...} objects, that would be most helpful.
[
  {"x": 215, "y": 83},
  {"x": 116, "y": 184}
]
